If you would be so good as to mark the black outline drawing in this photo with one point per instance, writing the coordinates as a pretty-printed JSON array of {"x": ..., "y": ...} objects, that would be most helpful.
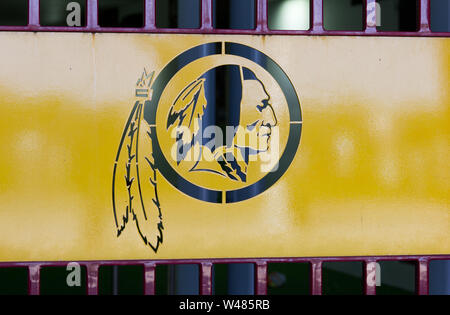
[{"x": 130, "y": 137}]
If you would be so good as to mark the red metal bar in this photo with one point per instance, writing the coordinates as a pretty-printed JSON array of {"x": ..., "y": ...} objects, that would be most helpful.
[
  {"x": 206, "y": 15},
  {"x": 317, "y": 16},
  {"x": 92, "y": 278},
  {"x": 150, "y": 15},
  {"x": 371, "y": 16},
  {"x": 34, "y": 279},
  {"x": 261, "y": 269},
  {"x": 206, "y": 278},
  {"x": 33, "y": 13},
  {"x": 149, "y": 278},
  {"x": 261, "y": 278},
  {"x": 422, "y": 276},
  {"x": 424, "y": 16},
  {"x": 370, "y": 277},
  {"x": 206, "y": 28},
  {"x": 261, "y": 16},
  {"x": 316, "y": 277},
  {"x": 92, "y": 14}
]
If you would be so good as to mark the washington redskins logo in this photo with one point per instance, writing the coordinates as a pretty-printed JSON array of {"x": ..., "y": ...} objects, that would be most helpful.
[{"x": 221, "y": 123}]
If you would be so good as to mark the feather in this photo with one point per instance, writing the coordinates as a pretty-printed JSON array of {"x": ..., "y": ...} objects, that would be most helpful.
[{"x": 135, "y": 186}]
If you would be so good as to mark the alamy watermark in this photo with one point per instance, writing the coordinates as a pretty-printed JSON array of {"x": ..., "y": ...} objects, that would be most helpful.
[
  {"x": 238, "y": 144},
  {"x": 74, "y": 16},
  {"x": 73, "y": 278}
]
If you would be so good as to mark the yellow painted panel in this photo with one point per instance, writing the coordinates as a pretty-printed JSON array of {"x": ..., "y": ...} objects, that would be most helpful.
[{"x": 370, "y": 175}]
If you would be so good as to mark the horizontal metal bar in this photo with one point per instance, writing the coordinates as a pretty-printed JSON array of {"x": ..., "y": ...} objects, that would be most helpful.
[
  {"x": 207, "y": 23},
  {"x": 216, "y": 31},
  {"x": 229, "y": 260},
  {"x": 316, "y": 264}
]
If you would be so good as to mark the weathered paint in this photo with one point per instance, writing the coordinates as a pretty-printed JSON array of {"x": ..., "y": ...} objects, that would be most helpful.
[{"x": 370, "y": 176}]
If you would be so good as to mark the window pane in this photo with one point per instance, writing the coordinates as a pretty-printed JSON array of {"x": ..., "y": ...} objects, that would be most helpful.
[
  {"x": 288, "y": 278},
  {"x": 289, "y": 14},
  {"x": 397, "y": 278},
  {"x": 178, "y": 13},
  {"x": 342, "y": 278},
  {"x": 234, "y": 14},
  {"x": 440, "y": 19},
  {"x": 343, "y": 15},
  {"x": 60, "y": 281},
  {"x": 14, "y": 12},
  {"x": 56, "y": 12},
  {"x": 398, "y": 15},
  {"x": 128, "y": 13},
  {"x": 14, "y": 281},
  {"x": 130, "y": 280}
]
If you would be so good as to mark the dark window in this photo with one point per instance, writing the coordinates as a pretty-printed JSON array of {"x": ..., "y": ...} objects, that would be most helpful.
[
  {"x": 54, "y": 281},
  {"x": 440, "y": 19},
  {"x": 398, "y": 15},
  {"x": 129, "y": 280},
  {"x": 288, "y": 278},
  {"x": 128, "y": 13},
  {"x": 342, "y": 278},
  {"x": 14, "y": 281},
  {"x": 178, "y": 13},
  {"x": 14, "y": 12},
  {"x": 343, "y": 15},
  {"x": 55, "y": 12},
  {"x": 233, "y": 279},
  {"x": 397, "y": 278},
  {"x": 234, "y": 14}
]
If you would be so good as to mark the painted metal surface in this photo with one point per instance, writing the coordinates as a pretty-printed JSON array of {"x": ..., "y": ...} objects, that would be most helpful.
[
  {"x": 370, "y": 176},
  {"x": 417, "y": 231}
]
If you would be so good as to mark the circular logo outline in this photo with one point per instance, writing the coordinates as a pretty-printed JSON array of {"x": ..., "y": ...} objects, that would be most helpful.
[{"x": 247, "y": 52}]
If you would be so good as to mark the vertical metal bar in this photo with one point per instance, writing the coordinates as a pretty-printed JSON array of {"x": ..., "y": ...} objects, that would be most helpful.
[
  {"x": 115, "y": 280},
  {"x": 149, "y": 278},
  {"x": 261, "y": 16},
  {"x": 371, "y": 16},
  {"x": 92, "y": 14},
  {"x": 206, "y": 278},
  {"x": 33, "y": 12},
  {"x": 261, "y": 278},
  {"x": 422, "y": 276},
  {"x": 150, "y": 14},
  {"x": 92, "y": 279},
  {"x": 316, "y": 277},
  {"x": 34, "y": 279},
  {"x": 206, "y": 15},
  {"x": 424, "y": 16},
  {"x": 317, "y": 16},
  {"x": 370, "y": 274}
]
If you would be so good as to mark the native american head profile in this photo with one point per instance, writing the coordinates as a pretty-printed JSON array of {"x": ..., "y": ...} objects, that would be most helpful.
[{"x": 211, "y": 127}]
